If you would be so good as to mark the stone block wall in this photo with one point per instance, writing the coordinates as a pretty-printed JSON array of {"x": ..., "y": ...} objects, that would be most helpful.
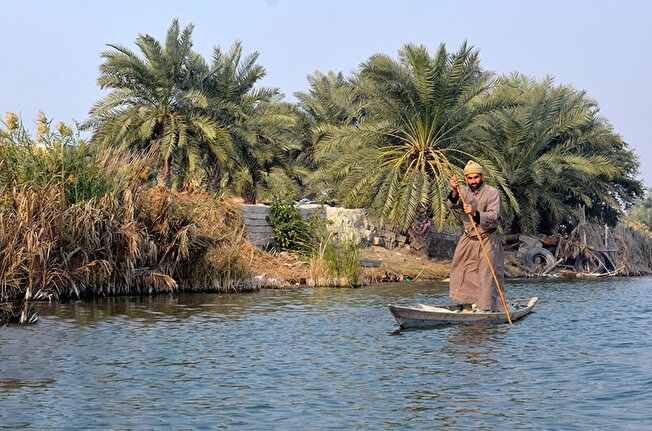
[
  {"x": 346, "y": 223},
  {"x": 442, "y": 244},
  {"x": 256, "y": 222}
]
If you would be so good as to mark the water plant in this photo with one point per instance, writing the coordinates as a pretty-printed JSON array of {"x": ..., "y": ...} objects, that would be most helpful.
[{"x": 336, "y": 262}]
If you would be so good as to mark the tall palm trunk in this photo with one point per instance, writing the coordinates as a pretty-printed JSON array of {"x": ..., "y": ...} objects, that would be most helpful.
[
  {"x": 419, "y": 232},
  {"x": 214, "y": 176},
  {"x": 163, "y": 177},
  {"x": 249, "y": 192}
]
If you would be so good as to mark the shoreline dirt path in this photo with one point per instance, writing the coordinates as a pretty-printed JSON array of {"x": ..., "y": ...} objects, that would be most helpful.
[{"x": 398, "y": 264}]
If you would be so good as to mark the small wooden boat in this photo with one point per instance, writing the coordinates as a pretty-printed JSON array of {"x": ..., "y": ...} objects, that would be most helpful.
[{"x": 425, "y": 316}]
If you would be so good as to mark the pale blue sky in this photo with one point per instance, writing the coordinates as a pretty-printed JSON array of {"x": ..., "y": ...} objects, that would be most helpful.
[{"x": 51, "y": 49}]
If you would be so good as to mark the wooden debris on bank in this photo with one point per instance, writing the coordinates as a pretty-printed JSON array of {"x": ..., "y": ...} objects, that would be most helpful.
[{"x": 590, "y": 250}]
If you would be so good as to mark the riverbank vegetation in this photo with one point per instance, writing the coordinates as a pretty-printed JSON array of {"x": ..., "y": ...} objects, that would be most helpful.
[
  {"x": 332, "y": 260},
  {"x": 79, "y": 222},
  {"x": 143, "y": 199}
]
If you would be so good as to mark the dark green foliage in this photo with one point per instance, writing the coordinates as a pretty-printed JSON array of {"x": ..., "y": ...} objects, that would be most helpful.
[
  {"x": 416, "y": 131},
  {"x": 291, "y": 232},
  {"x": 642, "y": 211},
  {"x": 557, "y": 154},
  {"x": 332, "y": 100}
]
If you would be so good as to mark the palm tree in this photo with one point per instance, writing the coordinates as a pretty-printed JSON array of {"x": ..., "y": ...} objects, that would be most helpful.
[
  {"x": 153, "y": 106},
  {"x": 416, "y": 132},
  {"x": 556, "y": 153},
  {"x": 332, "y": 100},
  {"x": 260, "y": 125}
]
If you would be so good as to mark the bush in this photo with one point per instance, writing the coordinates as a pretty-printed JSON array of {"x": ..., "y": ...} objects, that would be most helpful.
[
  {"x": 291, "y": 232},
  {"x": 54, "y": 158}
]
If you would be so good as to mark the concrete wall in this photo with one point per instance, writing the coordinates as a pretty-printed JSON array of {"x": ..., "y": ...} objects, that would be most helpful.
[
  {"x": 256, "y": 222},
  {"x": 442, "y": 244},
  {"x": 347, "y": 223}
]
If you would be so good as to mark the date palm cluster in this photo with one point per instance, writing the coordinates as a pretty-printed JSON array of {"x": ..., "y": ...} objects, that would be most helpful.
[
  {"x": 135, "y": 207},
  {"x": 205, "y": 123},
  {"x": 387, "y": 137},
  {"x": 398, "y": 129}
]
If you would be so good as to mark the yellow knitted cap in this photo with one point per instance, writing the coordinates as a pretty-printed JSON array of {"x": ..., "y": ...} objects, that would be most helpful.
[{"x": 472, "y": 168}]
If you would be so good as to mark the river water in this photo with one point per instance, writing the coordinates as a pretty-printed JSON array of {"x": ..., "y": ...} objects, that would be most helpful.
[{"x": 320, "y": 359}]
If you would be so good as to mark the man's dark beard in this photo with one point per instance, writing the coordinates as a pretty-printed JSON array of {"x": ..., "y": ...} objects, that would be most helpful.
[{"x": 475, "y": 187}]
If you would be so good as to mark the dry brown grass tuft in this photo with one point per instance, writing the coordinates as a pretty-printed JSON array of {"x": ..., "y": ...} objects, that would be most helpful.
[
  {"x": 79, "y": 221},
  {"x": 150, "y": 241}
]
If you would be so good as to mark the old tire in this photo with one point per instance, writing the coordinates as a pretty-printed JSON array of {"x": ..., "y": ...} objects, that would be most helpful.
[
  {"x": 538, "y": 256},
  {"x": 598, "y": 264}
]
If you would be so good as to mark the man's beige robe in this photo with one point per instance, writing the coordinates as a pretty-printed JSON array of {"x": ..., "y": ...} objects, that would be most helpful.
[{"x": 471, "y": 279}]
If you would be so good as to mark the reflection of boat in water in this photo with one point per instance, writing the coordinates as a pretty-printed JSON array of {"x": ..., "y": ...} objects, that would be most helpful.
[{"x": 424, "y": 316}]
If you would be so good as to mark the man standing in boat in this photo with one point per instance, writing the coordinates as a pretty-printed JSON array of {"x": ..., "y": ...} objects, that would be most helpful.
[{"x": 471, "y": 278}]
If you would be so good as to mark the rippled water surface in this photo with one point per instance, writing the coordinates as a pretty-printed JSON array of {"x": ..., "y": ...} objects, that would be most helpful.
[{"x": 333, "y": 359}]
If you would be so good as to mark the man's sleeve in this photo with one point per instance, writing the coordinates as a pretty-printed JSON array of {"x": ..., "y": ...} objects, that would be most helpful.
[
  {"x": 492, "y": 213},
  {"x": 453, "y": 202}
]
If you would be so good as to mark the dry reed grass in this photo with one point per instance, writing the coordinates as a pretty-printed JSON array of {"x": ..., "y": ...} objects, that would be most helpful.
[
  {"x": 80, "y": 222},
  {"x": 155, "y": 241},
  {"x": 19, "y": 312}
]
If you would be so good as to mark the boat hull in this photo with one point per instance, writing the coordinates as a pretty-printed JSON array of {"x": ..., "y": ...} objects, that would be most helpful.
[{"x": 426, "y": 316}]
